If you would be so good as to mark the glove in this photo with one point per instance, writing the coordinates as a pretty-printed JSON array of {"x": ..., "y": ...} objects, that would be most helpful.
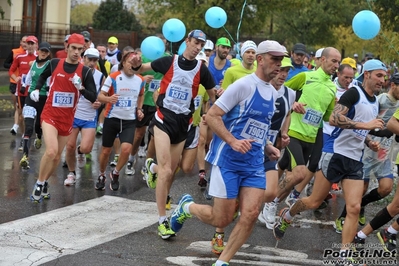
[
  {"x": 22, "y": 89},
  {"x": 34, "y": 95},
  {"x": 77, "y": 82},
  {"x": 381, "y": 133}
]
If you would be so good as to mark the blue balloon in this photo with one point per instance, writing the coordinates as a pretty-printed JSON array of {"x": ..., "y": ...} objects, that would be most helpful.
[
  {"x": 182, "y": 48},
  {"x": 366, "y": 24},
  {"x": 216, "y": 17},
  {"x": 174, "y": 30},
  {"x": 152, "y": 47}
]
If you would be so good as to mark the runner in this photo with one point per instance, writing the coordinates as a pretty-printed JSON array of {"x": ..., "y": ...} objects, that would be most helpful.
[
  {"x": 69, "y": 79},
  {"x": 34, "y": 109},
  {"x": 84, "y": 121}
]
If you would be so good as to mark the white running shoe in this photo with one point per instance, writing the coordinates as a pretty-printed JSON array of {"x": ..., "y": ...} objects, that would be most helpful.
[
  {"x": 70, "y": 180},
  {"x": 269, "y": 214},
  {"x": 81, "y": 160},
  {"x": 291, "y": 199},
  {"x": 129, "y": 169},
  {"x": 142, "y": 153}
]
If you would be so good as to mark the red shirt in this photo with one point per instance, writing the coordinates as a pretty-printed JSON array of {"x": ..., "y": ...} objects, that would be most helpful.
[{"x": 21, "y": 63}]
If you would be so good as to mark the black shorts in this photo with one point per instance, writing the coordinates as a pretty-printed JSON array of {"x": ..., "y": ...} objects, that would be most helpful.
[
  {"x": 174, "y": 125},
  {"x": 192, "y": 138},
  {"x": 21, "y": 101},
  {"x": 296, "y": 153},
  {"x": 115, "y": 126},
  {"x": 13, "y": 88},
  {"x": 336, "y": 167},
  {"x": 149, "y": 112},
  {"x": 316, "y": 152}
]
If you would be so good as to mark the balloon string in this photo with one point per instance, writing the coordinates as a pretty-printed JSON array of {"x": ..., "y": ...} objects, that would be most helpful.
[
  {"x": 239, "y": 23},
  {"x": 382, "y": 33},
  {"x": 229, "y": 34}
]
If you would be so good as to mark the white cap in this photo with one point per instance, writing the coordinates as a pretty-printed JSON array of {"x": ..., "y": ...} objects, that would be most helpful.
[
  {"x": 92, "y": 53},
  {"x": 318, "y": 53},
  {"x": 201, "y": 56},
  {"x": 247, "y": 46},
  {"x": 208, "y": 45},
  {"x": 271, "y": 47},
  {"x": 355, "y": 55}
]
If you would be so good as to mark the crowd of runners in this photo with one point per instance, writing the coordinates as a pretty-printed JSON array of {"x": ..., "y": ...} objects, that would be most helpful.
[{"x": 271, "y": 123}]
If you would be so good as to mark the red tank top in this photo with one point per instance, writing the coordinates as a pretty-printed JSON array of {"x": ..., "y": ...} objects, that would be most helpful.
[{"x": 63, "y": 96}]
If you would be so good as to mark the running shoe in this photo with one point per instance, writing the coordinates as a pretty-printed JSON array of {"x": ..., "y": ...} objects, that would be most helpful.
[
  {"x": 70, "y": 180},
  {"x": 114, "y": 185},
  {"x": 45, "y": 192},
  {"x": 335, "y": 187},
  {"x": 14, "y": 129},
  {"x": 115, "y": 161},
  {"x": 362, "y": 217},
  {"x": 37, "y": 143},
  {"x": 129, "y": 169},
  {"x": 168, "y": 203},
  {"x": 179, "y": 216},
  {"x": 100, "y": 184},
  {"x": 359, "y": 243},
  {"x": 150, "y": 177},
  {"x": 99, "y": 130},
  {"x": 24, "y": 162},
  {"x": 164, "y": 230},
  {"x": 143, "y": 171},
  {"x": 291, "y": 199},
  {"x": 217, "y": 243},
  {"x": 21, "y": 144},
  {"x": 269, "y": 214},
  {"x": 202, "y": 181},
  {"x": 224, "y": 264},
  {"x": 281, "y": 225},
  {"x": 37, "y": 193},
  {"x": 142, "y": 153},
  {"x": 339, "y": 224},
  {"x": 81, "y": 160},
  {"x": 387, "y": 239}
]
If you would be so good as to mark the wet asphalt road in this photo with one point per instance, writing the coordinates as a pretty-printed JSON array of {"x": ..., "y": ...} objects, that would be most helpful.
[{"x": 303, "y": 244}]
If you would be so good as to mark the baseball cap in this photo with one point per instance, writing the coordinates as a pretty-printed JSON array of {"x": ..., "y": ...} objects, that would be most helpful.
[
  {"x": 208, "y": 45},
  {"x": 45, "y": 46},
  {"x": 311, "y": 53},
  {"x": 197, "y": 34},
  {"x": 76, "y": 38},
  {"x": 271, "y": 47},
  {"x": 31, "y": 39},
  {"x": 223, "y": 41},
  {"x": 395, "y": 78},
  {"x": 370, "y": 65},
  {"x": 201, "y": 56},
  {"x": 319, "y": 52},
  {"x": 86, "y": 35},
  {"x": 67, "y": 37},
  {"x": 286, "y": 62},
  {"x": 355, "y": 55},
  {"x": 92, "y": 53},
  {"x": 113, "y": 39},
  {"x": 369, "y": 56},
  {"x": 247, "y": 45},
  {"x": 299, "y": 48},
  {"x": 349, "y": 61}
]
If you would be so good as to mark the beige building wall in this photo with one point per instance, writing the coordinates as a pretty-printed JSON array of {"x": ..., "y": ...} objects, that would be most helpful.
[{"x": 13, "y": 13}]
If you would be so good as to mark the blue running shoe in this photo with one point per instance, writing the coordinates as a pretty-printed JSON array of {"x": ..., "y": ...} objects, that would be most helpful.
[{"x": 179, "y": 216}]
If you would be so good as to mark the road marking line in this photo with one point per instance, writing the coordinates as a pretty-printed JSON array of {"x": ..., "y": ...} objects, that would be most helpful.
[{"x": 45, "y": 237}]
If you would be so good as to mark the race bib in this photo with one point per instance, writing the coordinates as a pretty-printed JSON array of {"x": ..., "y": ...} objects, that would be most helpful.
[
  {"x": 312, "y": 117},
  {"x": 23, "y": 78},
  {"x": 124, "y": 102},
  {"x": 177, "y": 94},
  {"x": 255, "y": 130},
  {"x": 272, "y": 135},
  {"x": 63, "y": 99},
  {"x": 154, "y": 85},
  {"x": 197, "y": 101},
  {"x": 29, "y": 112}
]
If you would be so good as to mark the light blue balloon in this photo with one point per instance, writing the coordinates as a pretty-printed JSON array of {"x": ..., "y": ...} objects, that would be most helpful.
[
  {"x": 152, "y": 47},
  {"x": 182, "y": 48},
  {"x": 174, "y": 30},
  {"x": 216, "y": 17},
  {"x": 366, "y": 24}
]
